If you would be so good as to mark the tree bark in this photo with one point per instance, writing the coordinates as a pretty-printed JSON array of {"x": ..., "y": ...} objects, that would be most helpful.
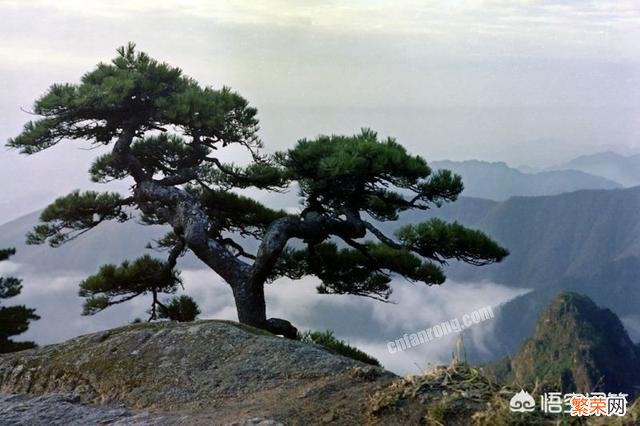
[
  {"x": 250, "y": 304},
  {"x": 251, "y": 308}
]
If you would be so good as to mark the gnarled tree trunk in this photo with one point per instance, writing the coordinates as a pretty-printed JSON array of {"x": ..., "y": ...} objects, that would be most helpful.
[
  {"x": 188, "y": 220},
  {"x": 251, "y": 308}
]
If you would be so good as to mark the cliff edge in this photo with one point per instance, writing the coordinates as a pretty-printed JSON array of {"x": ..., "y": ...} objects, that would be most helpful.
[{"x": 211, "y": 372}]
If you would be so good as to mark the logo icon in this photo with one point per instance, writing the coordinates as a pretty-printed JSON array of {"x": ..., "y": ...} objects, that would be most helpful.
[{"x": 522, "y": 402}]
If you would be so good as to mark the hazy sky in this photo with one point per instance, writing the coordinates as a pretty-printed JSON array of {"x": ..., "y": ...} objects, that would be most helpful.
[{"x": 527, "y": 82}]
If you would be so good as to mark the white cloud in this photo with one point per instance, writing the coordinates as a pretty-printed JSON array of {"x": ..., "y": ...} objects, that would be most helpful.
[
  {"x": 9, "y": 267},
  {"x": 361, "y": 322}
]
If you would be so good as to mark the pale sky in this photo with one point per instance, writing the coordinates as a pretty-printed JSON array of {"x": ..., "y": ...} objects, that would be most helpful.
[{"x": 527, "y": 82}]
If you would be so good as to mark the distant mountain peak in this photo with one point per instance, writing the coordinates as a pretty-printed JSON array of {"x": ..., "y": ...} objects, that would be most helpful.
[
  {"x": 608, "y": 154},
  {"x": 578, "y": 346},
  {"x": 609, "y": 164},
  {"x": 472, "y": 161},
  {"x": 499, "y": 181}
]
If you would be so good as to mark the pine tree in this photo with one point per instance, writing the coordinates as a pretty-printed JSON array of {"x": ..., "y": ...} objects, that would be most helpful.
[
  {"x": 14, "y": 320},
  {"x": 167, "y": 132},
  {"x": 117, "y": 284},
  {"x": 182, "y": 308}
]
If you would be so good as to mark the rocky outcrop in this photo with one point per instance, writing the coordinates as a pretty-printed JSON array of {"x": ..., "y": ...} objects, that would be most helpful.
[
  {"x": 213, "y": 372},
  {"x": 580, "y": 347},
  {"x": 57, "y": 409},
  {"x": 224, "y": 373}
]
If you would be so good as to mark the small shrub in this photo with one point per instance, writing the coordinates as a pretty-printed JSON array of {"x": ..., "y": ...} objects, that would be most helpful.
[
  {"x": 182, "y": 309},
  {"x": 335, "y": 345}
]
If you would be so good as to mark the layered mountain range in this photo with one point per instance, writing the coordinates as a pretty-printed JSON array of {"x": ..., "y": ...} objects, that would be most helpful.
[
  {"x": 585, "y": 241},
  {"x": 624, "y": 169},
  {"x": 497, "y": 181}
]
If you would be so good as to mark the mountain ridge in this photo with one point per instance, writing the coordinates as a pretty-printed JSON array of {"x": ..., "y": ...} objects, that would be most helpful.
[
  {"x": 570, "y": 235},
  {"x": 578, "y": 347},
  {"x": 497, "y": 181},
  {"x": 624, "y": 169}
]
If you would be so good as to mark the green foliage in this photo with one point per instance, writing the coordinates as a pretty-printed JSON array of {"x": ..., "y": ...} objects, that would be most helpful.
[
  {"x": 10, "y": 287},
  {"x": 335, "y": 345},
  {"x": 436, "y": 238},
  {"x": 355, "y": 170},
  {"x": 265, "y": 174},
  {"x": 403, "y": 262},
  {"x": 6, "y": 253},
  {"x": 235, "y": 213},
  {"x": 182, "y": 308},
  {"x": 442, "y": 186},
  {"x": 79, "y": 212},
  {"x": 134, "y": 88},
  {"x": 365, "y": 271},
  {"x": 14, "y": 320},
  {"x": 158, "y": 155},
  {"x": 362, "y": 173},
  {"x": 367, "y": 174},
  {"x": 116, "y": 284}
]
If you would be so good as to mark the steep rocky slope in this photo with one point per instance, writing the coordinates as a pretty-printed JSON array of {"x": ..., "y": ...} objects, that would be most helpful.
[{"x": 579, "y": 347}]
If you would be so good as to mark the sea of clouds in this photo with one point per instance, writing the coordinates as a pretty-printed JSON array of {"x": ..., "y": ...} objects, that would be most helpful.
[{"x": 362, "y": 322}]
